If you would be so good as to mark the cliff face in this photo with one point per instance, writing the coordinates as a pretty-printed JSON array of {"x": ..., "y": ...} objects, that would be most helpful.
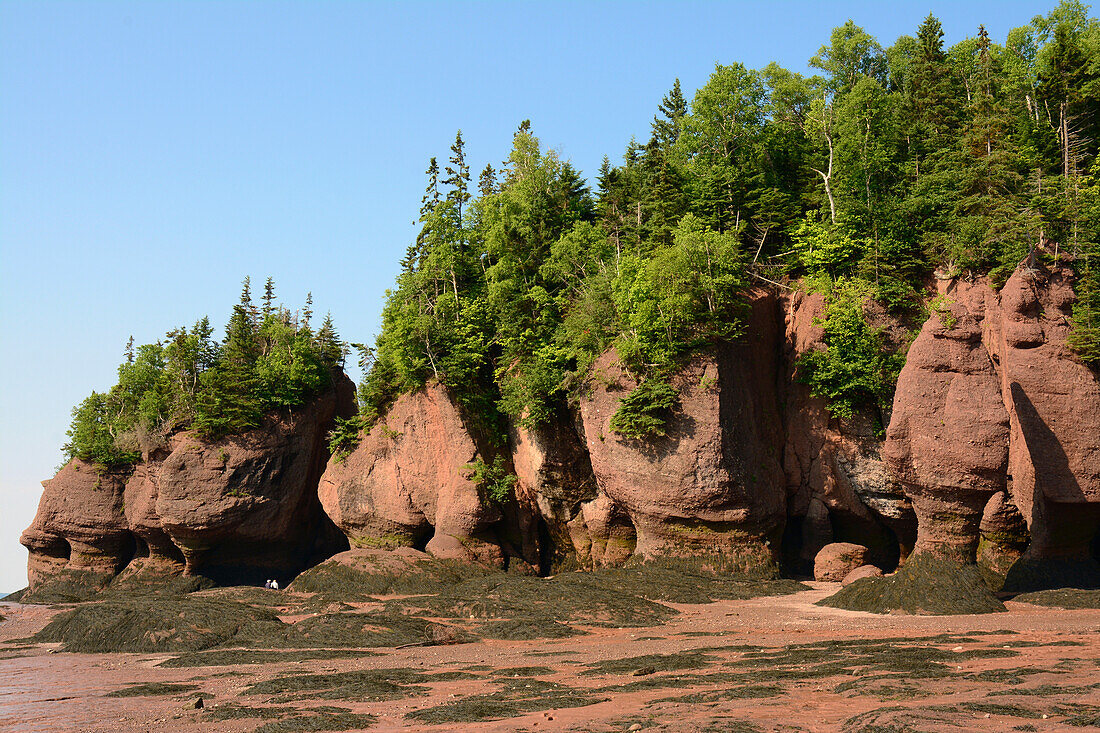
[
  {"x": 991, "y": 453},
  {"x": 236, "y": 510},
  {"x": 838, "y": 486},
  {"x": 747, "y": 452},
  {"x": 711, "y": 486},
  {"x": 995, "y": 418},
  {"x": 410, "y": 483}
]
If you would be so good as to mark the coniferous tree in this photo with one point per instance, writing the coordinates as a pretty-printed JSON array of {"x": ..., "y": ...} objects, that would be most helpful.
[
  {"x": 487, "y": 182},
  {"x": 666, "y": 123},
  {"x": 431, "y": 197},
  {"x": 458, "y": 174},
  {"x": 269, "y": 296}
]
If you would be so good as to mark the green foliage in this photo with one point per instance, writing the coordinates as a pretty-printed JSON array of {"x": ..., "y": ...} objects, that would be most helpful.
[
  {"x": 344, "y": 437},
  {"x": 824, "y": 247},
  {"x": 91, "y": 437},
  {"x": 892, "y": 163},
  {"x": 682, "y": 296},
  {"x": 645, "y": 411},
  {"x": 493, "y": 480},
  {"x": 941, "y": 306},
  {"x": 269, "y": 360},
  {"x": 854, "y": 369},
  {"x": 1085, "y": 337}
]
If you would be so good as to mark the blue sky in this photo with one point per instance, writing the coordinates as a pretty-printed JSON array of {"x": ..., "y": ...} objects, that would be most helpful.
[{"x": 153, "y": 154}]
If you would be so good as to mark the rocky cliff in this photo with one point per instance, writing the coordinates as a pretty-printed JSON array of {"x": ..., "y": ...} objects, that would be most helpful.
[
  {"x": 996, "y": 427},
  {"x": 991, "y": 452},
  {"x": 240, "y": 509},
  {"x": 410, "y": 483},
  {"x": 747, "y": 453}
]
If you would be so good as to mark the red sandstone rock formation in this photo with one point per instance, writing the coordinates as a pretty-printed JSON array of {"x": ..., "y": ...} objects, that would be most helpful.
[
  {"x": 713, "y": 484},
  {"x": 837, "y": 484},
  {"x": 250, "y": 501},
  {"x": 234, "y": 509},
  {"x": 1053, "y": 402},
  {"x": 835, "y": 561},
  {"x": 408, "y": 483},
  {"x": 1004, "y": 535},
  {"x": 80, "y": 525},
  {"x": 948, "y": 440},
  {"x": 993, "y": 402},
  {"x": 863, "y": 571},
  {"x": 555, "y": 479}
]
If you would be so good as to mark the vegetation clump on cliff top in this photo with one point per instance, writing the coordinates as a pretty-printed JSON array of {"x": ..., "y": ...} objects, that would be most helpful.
[
  {"x": 270, "y": 359},
  {"x": 924, "y": 585}
]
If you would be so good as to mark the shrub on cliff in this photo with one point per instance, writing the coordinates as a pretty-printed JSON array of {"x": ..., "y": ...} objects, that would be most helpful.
[
  {"x": 854, "y": 369},
  {"x": 270, "y": 359}
]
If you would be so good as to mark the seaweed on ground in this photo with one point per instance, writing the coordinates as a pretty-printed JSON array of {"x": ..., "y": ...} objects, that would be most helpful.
[
  {"x": 236, "y": 657},
  {"x": 522, "y": 671},
  {"x": 925, "y": 585},
  {"x": 77, "y": 586},
  {"x": 1009, "y": 676},
  {"x": 691, "y": 659},
  {"x": 153, "y": 688},
  {"x": 897, "y": 719},
  {"x": 67, "y": 586},
  {"x": 1016, "y": 711},
  {"x": 232, "y": 711},
  {"x": 743, "y": 692},
  {"x": 515, "y": 697},
  {"x": 319, "y": 722},
  {"x": 543, "y": 602},
  {"x": 373, "y": 685},
  {"x": 1048, "y": 691},
  {"x": 1062, "y": 598},
  {"x": 161, "y": 624},
  {"x": 1050, "y": 574},
  {"x": 618, "y": 597},
  {"x": 382, "y": 576},
  {"x": 375, "y": 629}
]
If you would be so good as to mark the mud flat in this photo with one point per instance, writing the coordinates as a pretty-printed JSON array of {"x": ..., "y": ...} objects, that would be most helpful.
[{"x": 775, "y": 662}]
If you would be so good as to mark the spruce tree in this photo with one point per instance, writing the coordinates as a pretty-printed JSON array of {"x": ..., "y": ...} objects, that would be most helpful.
[
  {"x": 458, "y": 174},
  {"x": 269, "y": 296},
  {"x": 666, "y": 123},
  {"x": 431, "y": 194},
  {"x": 487, "y": 182}
]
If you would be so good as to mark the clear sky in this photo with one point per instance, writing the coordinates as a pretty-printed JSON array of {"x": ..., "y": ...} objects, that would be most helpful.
[{"x": 153, "y": 154}]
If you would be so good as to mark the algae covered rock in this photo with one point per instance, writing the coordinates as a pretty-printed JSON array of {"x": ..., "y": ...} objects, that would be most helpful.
[{"x": 926, "y": 585}]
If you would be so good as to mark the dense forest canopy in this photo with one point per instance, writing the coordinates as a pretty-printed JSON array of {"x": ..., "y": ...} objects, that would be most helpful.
[
  {"x": 858, "y": 181},
  {"x": 271, "y": 358}
]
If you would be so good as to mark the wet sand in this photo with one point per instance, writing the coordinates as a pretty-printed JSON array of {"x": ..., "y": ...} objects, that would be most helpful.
[{"x": 1050, "y": 667}]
